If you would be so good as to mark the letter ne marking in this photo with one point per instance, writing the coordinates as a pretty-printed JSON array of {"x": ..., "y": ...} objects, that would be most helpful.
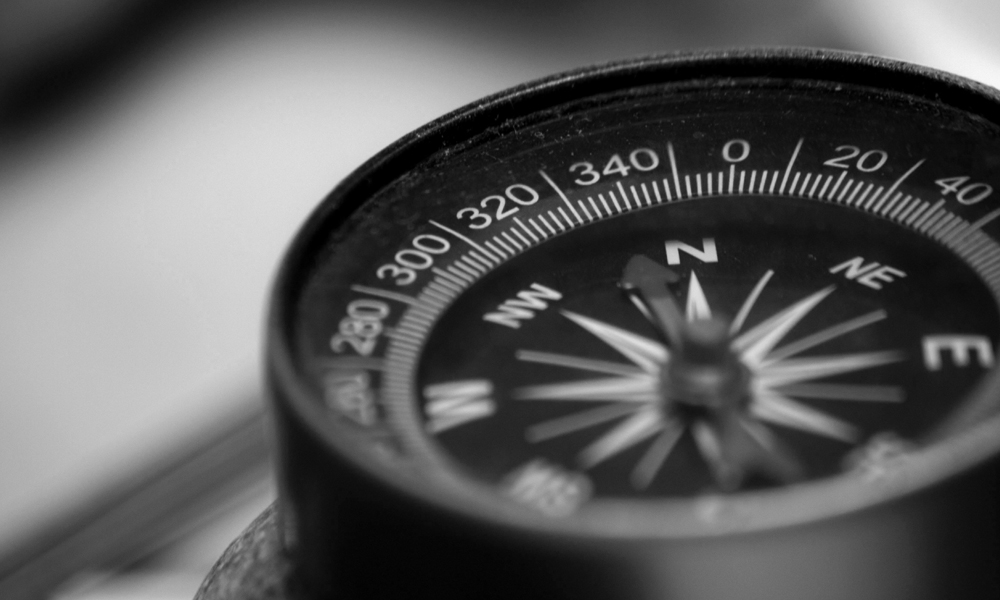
[{"x": 872, "y": 274}]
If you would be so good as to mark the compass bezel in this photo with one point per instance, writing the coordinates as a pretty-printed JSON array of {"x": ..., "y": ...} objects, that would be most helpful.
[{"x": 498, "y": 115}]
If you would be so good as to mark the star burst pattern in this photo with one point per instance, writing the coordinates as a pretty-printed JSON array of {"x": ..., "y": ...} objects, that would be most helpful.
[{"x": 629, "y": 393}]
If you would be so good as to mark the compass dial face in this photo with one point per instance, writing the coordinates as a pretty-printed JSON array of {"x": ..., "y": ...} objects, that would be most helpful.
[
  {"x": 833, "y": 363},
  {"x": 759, "y": 291}
]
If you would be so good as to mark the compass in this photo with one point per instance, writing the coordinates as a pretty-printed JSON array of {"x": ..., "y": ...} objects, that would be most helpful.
[{"x": 698, "y": 326}]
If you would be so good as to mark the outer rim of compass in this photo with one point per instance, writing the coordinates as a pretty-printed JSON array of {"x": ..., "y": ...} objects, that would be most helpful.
[{"x": 938, "y": 464}]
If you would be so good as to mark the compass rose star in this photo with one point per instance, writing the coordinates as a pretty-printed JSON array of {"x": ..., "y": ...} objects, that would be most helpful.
[{"x": 630, "y": 393}]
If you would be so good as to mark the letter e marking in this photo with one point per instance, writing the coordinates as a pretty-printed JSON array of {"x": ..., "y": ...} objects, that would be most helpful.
[{"x": 961, "y": 347}]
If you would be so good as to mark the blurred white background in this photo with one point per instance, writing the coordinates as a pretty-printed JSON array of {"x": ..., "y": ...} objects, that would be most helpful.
[{"x": 157, "y": 157}]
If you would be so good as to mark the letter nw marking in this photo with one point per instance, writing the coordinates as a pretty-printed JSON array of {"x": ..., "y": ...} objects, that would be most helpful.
[{"x": 524, "y": 306}]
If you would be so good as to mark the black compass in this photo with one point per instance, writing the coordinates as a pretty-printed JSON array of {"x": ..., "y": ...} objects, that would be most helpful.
[{"x": 703, "y": 326}]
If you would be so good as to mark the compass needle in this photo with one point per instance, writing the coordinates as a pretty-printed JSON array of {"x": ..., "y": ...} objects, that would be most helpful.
[
  {"x": 503, "y": 347},
  {"x": 648, "y": 280},
  {"x": 642, "y": 307},
  {"x": 844, "y": 391},
  {"x": 577, "y": 421},
  {"x": 651, "y": 462},
  {"x": 713, "y": 453},
  {"x": 640, "y": 426},
  {"x": 756, "y": 343},
  {"x": 697, "y": 308},
  {"x": 747, "y": 306},
  {"x": 823, "y": 336},
  {"x": 574, "y": 362},
  {"x": 644, "y": 352},
  {"x": 622, "y": 389},
  {"x": 767, "y": 455},
  {"x": 780, "y": 410},
  {"x": 815, "y": 367}
]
